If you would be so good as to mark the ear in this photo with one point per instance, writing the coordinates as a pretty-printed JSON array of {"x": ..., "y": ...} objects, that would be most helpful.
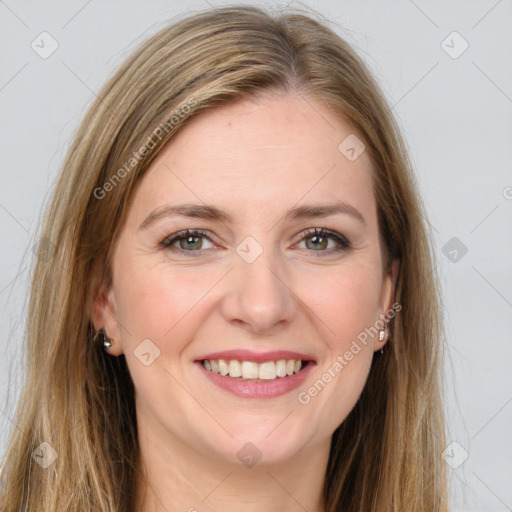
[
  {"x": 104, "y": 312},
  {"x": 389, "y": 285},
  {"x": 387, "y": 297}
]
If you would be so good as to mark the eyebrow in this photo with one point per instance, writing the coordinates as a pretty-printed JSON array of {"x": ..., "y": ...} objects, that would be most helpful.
[{"x": 207, "y": 212}]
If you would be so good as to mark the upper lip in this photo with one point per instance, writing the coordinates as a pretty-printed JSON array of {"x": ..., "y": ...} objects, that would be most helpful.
[{"x": 257, "y": 357}]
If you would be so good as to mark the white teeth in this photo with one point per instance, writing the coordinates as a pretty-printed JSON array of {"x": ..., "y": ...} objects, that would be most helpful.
[
  {"x": 268, "y": 370},
  {"x": 235, "y": 368},
  {"x": 223, "y": 367},
  {"x": 281, "y": 368},
  {"x": 250, "y": 370}
]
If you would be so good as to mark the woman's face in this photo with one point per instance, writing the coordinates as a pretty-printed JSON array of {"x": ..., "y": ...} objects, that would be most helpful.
[{"x": 256, "y": 285}]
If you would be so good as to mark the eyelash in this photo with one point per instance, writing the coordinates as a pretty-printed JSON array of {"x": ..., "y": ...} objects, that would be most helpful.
[{"x": 343, "y": 243}]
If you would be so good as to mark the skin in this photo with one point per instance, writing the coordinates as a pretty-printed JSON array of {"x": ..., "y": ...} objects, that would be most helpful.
[{"x": 256, "y": 158}]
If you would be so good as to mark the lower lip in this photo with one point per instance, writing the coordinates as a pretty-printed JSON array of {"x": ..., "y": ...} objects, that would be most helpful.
[{"x": 247, "y": 389}]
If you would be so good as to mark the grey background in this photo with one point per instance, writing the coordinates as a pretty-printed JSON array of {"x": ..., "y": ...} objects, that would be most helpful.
[{"x": 456, "y": 114}]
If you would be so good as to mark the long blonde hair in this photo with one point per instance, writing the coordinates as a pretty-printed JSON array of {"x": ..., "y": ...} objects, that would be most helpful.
[{"x": 386, "y": 455}]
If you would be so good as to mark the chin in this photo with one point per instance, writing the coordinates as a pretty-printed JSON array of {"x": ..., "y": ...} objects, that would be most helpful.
[{"x": 263, "y": 447}]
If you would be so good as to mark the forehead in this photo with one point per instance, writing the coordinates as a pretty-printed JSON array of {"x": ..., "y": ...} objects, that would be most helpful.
[{"x": 272, "y": 151}]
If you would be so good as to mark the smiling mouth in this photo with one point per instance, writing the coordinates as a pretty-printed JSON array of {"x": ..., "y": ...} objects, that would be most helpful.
[{"x": 251, "y": 371}]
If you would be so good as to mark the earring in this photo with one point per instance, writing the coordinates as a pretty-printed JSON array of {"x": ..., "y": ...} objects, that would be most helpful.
[
  {"x": 102, "y": 339},
  {"x": 383, "y": 336}
]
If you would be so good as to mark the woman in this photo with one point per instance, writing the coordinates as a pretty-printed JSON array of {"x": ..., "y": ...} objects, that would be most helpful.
[{"x": 239, "y": 307}]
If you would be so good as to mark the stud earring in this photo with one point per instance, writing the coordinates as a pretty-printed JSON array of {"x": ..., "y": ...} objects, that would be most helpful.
[
  {"x": 383, "y": 336},
  {"x": 102, "y": 339}
]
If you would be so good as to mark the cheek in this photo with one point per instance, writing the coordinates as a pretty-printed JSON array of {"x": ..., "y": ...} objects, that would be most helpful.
[
  {"x": 345, "y": 308},
  {"x": 160, "y": 302},
  {"x": 345, "y": 302},
  {"x": 157, "y": 308},
  {"x": 157, "y": 301}
]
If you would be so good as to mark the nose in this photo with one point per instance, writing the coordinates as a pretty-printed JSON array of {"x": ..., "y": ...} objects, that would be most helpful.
[{"x": 258, "y": 296}]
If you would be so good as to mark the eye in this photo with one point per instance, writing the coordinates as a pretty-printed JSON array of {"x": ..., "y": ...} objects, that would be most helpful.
[
  {"x": 319, "y": 241},
  {"x": 188, "y": 241}
]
